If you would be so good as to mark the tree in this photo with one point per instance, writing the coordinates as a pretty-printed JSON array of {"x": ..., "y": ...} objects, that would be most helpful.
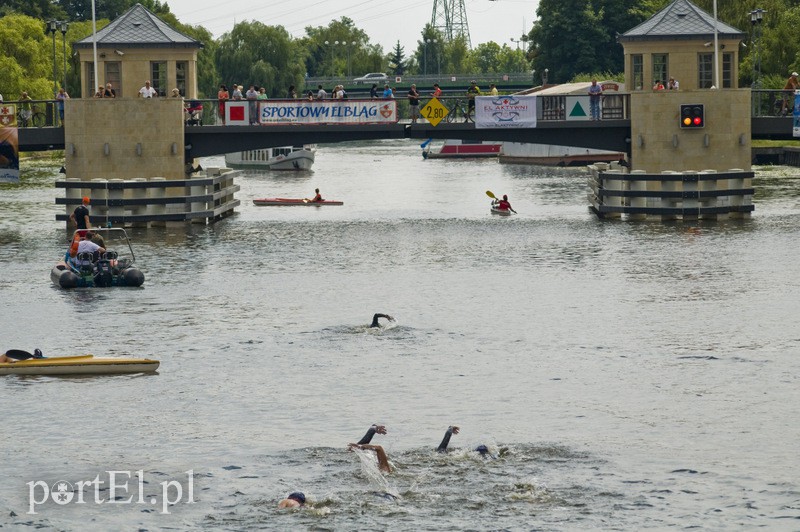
[
  {"x": 253, "y": 53},
  {"x": 397, "y": 62},
  {"x": 41, "y": 9},
  {"x": 429, "y": 52},
  {"x": 26, "y": 58},
  {"x": 347, "y": 51},
  {"x": 75, "y": 10},
  {"x": 458, "y": 58}
]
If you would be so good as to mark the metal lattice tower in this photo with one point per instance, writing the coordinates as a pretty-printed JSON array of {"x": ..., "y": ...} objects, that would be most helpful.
[{"x": 450, "y": 18}]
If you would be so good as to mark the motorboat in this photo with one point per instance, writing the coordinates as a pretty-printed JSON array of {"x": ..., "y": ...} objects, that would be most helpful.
[
  {"x": 78, "y": 365},
  {"x": 283, "y": 158},
  {"x": 115, "y": 267},
  {"x": 454, "y": 149},
  {"x": 272, "y": 202}
]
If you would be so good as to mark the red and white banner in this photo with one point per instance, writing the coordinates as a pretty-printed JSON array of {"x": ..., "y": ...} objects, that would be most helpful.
[
  {"x": 273, "y": 112},
  {"x": 9, "y": 144},
  {"x": 505, "y": 111}
]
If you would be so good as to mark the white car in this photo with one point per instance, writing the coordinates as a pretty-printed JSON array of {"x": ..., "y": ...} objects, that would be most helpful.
[{"x": 372, "y": 77}]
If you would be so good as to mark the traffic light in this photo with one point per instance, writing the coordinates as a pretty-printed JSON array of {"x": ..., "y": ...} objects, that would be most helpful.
[{"x": 692, "y": 116}]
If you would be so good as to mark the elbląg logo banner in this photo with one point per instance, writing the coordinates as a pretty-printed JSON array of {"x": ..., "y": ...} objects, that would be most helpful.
[
  {"x": 327, "y": 112},
  {"x": 505, "y": 111}
]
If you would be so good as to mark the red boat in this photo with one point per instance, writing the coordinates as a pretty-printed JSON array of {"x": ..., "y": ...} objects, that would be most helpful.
[
  {"x": 464, "y": 148},
  {"x": 269, "y": 202}
]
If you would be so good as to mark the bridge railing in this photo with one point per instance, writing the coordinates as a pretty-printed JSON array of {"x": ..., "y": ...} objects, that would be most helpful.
[{"x": 772, "y": 102}]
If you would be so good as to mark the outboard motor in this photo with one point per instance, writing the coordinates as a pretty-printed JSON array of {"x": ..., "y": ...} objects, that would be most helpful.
[{"x": 103, "y": 276}]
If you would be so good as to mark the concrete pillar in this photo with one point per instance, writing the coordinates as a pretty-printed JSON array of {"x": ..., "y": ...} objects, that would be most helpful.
[
  {"x": 709, "y": 185},
  {"x": 139, "y": 194},
  {"x": 73, "y": 194},
  {"x": 155, "y": 209},
  {"x": 690, "y": 204},
  {"x": 99, "y": 195},
  {"x": 198, "y": 206},
  {"x": 667, "y": 203},
  {"x": 115, "y": 194}
]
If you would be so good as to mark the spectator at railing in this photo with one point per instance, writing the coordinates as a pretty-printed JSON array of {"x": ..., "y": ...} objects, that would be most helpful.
[
  {"x": 60, "y": 98},
  {"x": 321, "y": 94},
  {"x": 387, "y": 91},
  {"x": 413, "y": 103},
  {"x": 223, "y": 97},
  {"x": 792, "y": 84},
  {"x": 373, "y": 92},
  {"x": 291, "y": 93}
]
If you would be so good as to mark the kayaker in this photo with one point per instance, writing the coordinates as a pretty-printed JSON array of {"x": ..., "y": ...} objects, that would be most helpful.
[
  {"x": 375, "y": 319},
  {"x": 505, "y": 205},
  {"x": 318, "y": 197},
  {"x": 293, "y": 500}
]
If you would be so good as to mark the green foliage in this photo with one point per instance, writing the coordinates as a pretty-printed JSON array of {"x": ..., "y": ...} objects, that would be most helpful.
[
  {"x": 458, "y": 58},
  {"x": 348, "y": 50},
  {"x": 397, "y": 61},
  {"x": 429, "y": 52},
  {"x": 41, "y": 9},
  {"x": 207, "y": 76},
  {"x": 79, "y": 10},
  {"x": 267, "y": 56},
  {"x": 619, "y": 77},
  {"x": 27, "y": 59}
]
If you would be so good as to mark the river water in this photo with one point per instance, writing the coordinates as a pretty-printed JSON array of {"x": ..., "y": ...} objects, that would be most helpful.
[{"x": 624, "y": 375}]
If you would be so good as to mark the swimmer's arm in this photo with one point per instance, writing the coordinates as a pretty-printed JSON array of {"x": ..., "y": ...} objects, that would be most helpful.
[
  {"x": 446, "y": 440},
  {"x": 374, "y": 429},
  {"x": 383, "y": 459}
]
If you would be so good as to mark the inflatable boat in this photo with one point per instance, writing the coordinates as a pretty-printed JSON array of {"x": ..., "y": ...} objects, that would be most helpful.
[
  {"x": 114, "y": 267},
  {"x": 78, "y": 365},
  {"x": 265, "y": 202}
]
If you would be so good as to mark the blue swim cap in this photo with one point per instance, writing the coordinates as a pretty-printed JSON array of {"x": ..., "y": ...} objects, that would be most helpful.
[
  {"x": 482, "y": 449},
  {"x": 297, "y": 496}
]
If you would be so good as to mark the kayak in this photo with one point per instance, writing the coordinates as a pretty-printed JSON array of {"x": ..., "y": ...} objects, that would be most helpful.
[
  {"x": 78, "y": 365},
  {"x": 501, "y": 212},
  {"x": 265, "y": 202}
]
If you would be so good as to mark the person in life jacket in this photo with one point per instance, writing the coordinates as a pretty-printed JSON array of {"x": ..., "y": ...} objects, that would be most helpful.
[{"x": 505, "y": 205}]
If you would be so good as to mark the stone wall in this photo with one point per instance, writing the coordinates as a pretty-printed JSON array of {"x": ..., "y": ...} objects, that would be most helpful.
[
  {"x": 659, "y": 144},
  {"x": 124, "y": 138}
]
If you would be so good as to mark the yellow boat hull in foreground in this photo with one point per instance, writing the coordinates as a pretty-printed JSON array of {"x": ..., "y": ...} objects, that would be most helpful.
[{"x": 78, "y": 365}]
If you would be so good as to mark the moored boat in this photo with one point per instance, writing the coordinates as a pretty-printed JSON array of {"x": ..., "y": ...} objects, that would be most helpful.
[
  {"x": 454, "y": 149},
  {"x": 268, "y": 202},
  {"x": 115, "y": 267},
  {"x": 282, "y": 158},
  {"x": 79, "y": 365}
]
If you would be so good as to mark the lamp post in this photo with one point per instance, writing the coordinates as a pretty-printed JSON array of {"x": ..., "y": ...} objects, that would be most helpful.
[
  {"x": 52, "y": 27},
  {"x": 544, "y": 76},
  {"x": 64, "y": 26},
  {"x": 756, "y": 17},
  {"x": 517, "y": 41}
]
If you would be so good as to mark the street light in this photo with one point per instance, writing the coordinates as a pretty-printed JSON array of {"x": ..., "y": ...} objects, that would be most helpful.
[
  {"x": 349, "y": 45},
  {"x": 52, "y": 27},
  {"x": 544, "y": 76},
  {"x": 427, "y": 42},
  {"x": 756, "y": 17},
  {"x": 64, "y": 26}
]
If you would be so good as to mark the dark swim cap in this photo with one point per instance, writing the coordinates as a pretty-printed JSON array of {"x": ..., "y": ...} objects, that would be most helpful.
[
  {"x": 505, "y": 197},
  {"x": 482, "y": 449},
  {"x": 297, "y": 496}
]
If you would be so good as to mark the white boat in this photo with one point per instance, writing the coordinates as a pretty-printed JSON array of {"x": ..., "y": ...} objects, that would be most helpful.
[
  {"x": 458, "y": 149},
  {"x": 554, "y": 155},
  {"x": 283, "y": 158}
]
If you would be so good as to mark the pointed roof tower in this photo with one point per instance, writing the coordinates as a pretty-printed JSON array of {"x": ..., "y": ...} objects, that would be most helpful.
[
  {"x": 140, "y": 28},
  {"x": 680, "y": 20}
]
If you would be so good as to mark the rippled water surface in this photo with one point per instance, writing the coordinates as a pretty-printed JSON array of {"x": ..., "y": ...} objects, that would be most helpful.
[{"x": 625, "y": 375}]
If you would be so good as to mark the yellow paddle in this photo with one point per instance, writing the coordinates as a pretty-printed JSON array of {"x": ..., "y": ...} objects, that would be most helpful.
[{"x": 490, "y": 194}]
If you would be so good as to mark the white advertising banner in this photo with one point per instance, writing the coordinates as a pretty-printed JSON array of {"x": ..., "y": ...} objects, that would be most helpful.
[
  {"x": 505, "y": 111},
  {"x": 274, "y": 112}
]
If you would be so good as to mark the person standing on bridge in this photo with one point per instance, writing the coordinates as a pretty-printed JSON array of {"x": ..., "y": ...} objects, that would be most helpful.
[
  {"x": 472, "y": 91},
  {"x": 321, "y": 94},
  {"x": 493, "y": 89},
  {"x": 373, "y": 92},
  {"x": 792, "y": 84},
  {"x": 223, "y": 97},
  {"x": 437, "y": 91},
  {"x": 413, "y": 103},
  {"x": 61, "y": 97},
  {"x": 145, "y": 92},
  {"x": 595, "y": 93}
]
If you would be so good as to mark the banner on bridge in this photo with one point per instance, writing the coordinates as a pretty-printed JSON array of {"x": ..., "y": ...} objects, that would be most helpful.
[
  {"x": 505, "y": 111},
  {"x": 9, "y": 144},
  {"x": 327, "y": 112},
  {"x": 796, "y": 115}
]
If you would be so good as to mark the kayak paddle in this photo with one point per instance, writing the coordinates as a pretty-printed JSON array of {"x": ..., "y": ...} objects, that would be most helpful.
[
  {"x": 19, "y": 354},
  {"x": 490, "y": 194}
]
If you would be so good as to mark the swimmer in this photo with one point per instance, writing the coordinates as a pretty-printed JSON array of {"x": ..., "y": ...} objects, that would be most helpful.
[
  {"x": 480, "y": 449},
  {"x": 383, "y": 460},
  {"x": 293, "y": 500},
  {"x": 375, "y": 319},
  {"x": 374, "y": 429}
]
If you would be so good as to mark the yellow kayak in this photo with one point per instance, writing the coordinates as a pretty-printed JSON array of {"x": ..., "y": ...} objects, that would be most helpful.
[{"x": 78, "y": 365}]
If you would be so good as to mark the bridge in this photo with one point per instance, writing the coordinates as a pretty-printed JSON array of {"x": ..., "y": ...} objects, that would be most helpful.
[{"x": 609, "y": 134}]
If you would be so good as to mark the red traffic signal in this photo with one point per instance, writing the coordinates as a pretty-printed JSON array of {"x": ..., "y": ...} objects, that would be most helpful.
[{"x": 692, "y": 116}]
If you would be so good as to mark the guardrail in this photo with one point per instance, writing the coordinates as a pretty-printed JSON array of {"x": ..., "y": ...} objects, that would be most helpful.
[{"x": 770, "y": 102}]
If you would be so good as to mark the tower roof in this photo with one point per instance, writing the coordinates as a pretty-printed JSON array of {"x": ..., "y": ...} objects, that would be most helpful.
[
  {"x": 680, "y": 20},
  {"x": 139, "y": 28}
]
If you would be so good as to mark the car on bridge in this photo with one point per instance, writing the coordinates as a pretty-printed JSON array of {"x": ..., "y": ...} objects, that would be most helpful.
[{"x": 372, "y": 77}]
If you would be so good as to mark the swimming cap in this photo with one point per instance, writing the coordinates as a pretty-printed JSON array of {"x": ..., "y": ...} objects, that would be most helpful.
[
  {"x": 482, "y": 449},
  {"x": 297, "y": 496}
]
